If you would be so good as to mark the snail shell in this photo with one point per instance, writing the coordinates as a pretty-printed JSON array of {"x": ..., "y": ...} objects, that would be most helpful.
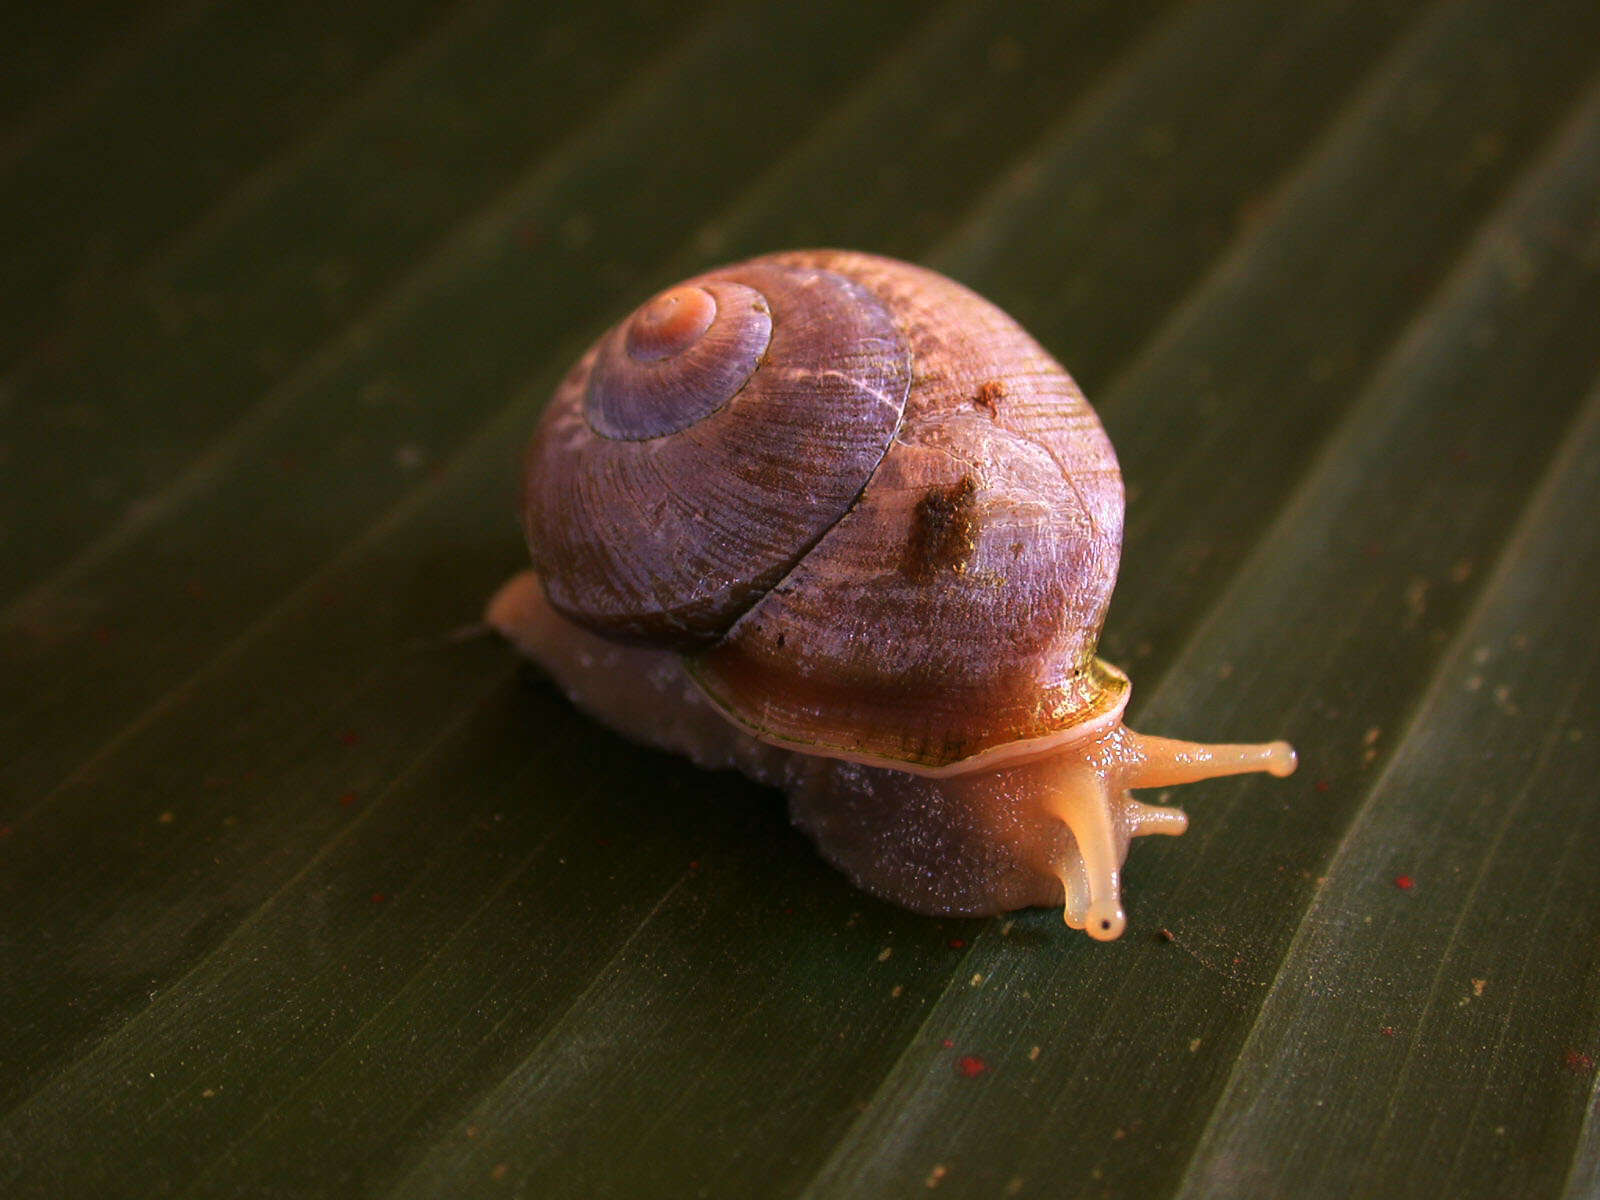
[
  {"x": 855, "y": 516},
  {"x": 880, "y": 519}
]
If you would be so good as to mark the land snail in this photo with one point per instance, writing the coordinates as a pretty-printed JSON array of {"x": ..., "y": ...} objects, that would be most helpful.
[{"x": 838, "y": 522}]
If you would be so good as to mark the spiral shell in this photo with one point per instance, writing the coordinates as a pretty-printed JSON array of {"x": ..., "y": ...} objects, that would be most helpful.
[{"x": 879, "y": 520}]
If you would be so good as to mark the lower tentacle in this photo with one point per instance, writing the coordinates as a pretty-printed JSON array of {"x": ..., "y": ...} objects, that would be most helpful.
[
  {"x": 1080, "y": 800},
  {"x": 1155, "y": 818}
]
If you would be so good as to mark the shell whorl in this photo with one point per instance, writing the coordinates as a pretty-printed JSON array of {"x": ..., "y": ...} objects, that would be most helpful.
[
  {"x": 677, "y": 360},
  {"x": 704, "y": 445},
  {"x": 893, "y": 538}
]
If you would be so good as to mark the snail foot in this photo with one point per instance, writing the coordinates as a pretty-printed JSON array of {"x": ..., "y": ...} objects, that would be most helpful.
[{"x": 517, "y": 612}]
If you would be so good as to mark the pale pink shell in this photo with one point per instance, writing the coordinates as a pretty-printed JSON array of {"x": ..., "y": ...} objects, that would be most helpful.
[{"x": 895, "y": 536}]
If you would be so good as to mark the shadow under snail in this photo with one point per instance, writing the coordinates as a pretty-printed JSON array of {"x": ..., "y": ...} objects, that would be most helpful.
[{"x": 840, "y": 523}]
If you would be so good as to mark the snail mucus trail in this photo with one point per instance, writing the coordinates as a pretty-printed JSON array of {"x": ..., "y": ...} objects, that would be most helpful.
[{"x": 839, "y": 523}]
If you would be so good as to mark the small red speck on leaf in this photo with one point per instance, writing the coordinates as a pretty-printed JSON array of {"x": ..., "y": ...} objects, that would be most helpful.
[
  {"x": 1404, "y": 882},
  {"x": 194, "y": 589},
  {"x": 948, "y": 1043},
  {"x": 694, "y": 864},
  {"x": 348, "y": 737},
  {"x": 378, "y": 897},
  {"x": 5, "y": 831},
  {"x": 1323, "y": 785},
  {"x": 101, "y": 634},
  {"x": 1578, "y": 1062},
  {"x": 971, "y": 1065},
  {"x": 1387, "y": 1031},
  {"x": 602, "y": 842},
  {"x": 347, "y": 799},
  {"x": 957, "y": 943}
]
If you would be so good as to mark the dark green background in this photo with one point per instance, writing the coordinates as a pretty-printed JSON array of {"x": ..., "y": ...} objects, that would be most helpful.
[{"x": 302, "y": 895}]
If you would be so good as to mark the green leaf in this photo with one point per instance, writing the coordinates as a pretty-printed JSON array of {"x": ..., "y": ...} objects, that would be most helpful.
[{"x": 301, "y": 893}]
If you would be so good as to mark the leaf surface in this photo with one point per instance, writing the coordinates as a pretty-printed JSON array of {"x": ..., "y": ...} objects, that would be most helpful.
[{"x": 301, "y": 893}]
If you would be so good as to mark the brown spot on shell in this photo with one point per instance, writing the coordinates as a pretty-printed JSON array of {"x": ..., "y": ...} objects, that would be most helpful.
[
  {"x": 987, "y": 401},
  {"x": 943, "y": 530}
]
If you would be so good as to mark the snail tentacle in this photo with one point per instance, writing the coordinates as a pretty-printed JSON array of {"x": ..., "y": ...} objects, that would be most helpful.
[
  {"x": 1080, "y": 800},
  {"x": 1164, "y": 762},
  {"x": 1155, "y": 818}
]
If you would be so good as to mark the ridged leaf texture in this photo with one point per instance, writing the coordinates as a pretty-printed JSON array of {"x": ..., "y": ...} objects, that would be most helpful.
[{"x": 307, "y": 891}]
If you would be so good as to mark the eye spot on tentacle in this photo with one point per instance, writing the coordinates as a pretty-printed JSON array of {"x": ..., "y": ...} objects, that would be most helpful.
[{"x": 1106, "y": 921}]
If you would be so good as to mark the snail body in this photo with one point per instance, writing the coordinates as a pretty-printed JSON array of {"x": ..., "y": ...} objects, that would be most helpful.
[{"x": 840, "y": 523}]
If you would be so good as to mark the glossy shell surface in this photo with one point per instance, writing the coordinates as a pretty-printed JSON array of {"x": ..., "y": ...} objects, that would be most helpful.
[
  {"x": 665, "y": 494},
  {"x": 893, "y": 538}
]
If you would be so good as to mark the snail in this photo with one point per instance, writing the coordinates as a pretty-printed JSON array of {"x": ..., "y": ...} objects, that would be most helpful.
[{"x": 840, "y": 523}]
